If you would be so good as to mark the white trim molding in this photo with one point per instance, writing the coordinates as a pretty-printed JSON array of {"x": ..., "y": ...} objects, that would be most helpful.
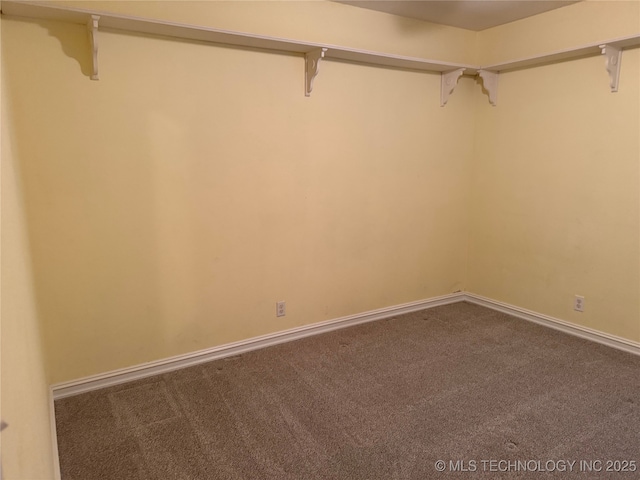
[
  {"x": 124, "y": 375},
  {"x": 54, "y": 437},
  {"x": 557, "y": 324},
  {"x": 115, "y": 377}
]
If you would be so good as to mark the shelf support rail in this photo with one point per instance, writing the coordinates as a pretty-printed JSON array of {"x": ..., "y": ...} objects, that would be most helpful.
[
  {"x": 612, "y": 59},
  {"x": 92, "y": 27},
  {"x": 490, "y": 83},
  {"x": 448, "y": 82},
  {"x": 312, "y": 64},
  {"x": 450, "y": 73}
]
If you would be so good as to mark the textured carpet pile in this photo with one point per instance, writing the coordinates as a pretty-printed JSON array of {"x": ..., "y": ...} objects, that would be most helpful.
[{"x": 383, "y": 400}]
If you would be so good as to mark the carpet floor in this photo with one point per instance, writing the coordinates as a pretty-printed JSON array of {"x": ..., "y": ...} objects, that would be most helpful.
[{"x": 487, "y": 394}]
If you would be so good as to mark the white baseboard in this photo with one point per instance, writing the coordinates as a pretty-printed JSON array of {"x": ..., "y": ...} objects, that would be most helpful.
[
  {"x": 555, "y": 323},
  {"x": 54, "y": 437},
  {"x": 124, "y": 375}
]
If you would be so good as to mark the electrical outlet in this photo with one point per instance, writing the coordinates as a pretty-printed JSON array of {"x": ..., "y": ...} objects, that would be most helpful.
[
  {"x": 578, "y": 304},
  {"x": 281, "y": 309}
]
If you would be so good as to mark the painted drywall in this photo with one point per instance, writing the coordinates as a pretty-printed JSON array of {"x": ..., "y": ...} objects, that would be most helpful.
[
  {"x": 172, "y": 203},
  {"x": 167, "y": 207},
  {"x": 556, "y": 179},
  {"x": 24, "y": 398}
]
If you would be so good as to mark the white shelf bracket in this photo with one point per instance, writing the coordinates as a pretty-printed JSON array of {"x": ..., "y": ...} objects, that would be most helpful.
[
  {"x": 448, "y": 82},
  {"x": 612, "y": 59},
  {"x": 312, "y": 64},
  {"x": 490, "y": 83},
  {"x": 92, "y": 26}
]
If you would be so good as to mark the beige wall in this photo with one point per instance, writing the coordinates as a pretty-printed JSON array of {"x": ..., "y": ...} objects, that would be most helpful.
[
  {"x": 167, "y": 207},
  {"x": 556, "y": 198},
  {"x": 172, "y": 203},
  {"x": 24, "y": 399}
]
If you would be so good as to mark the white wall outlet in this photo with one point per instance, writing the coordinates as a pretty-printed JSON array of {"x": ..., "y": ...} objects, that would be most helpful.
[
  {"x": 281, "y": 309},
  {"x": 578, "y": 304}
]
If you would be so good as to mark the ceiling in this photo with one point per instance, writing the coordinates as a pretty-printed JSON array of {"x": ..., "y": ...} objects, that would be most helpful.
[{"x": 472, "y": 15}]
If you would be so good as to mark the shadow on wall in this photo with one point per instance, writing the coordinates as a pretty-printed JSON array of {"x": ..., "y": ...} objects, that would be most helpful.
[{"x": 73, "y": 41}]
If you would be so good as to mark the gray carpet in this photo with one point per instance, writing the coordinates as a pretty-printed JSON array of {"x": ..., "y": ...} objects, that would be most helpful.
[{"x": 383, "y": 400}]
